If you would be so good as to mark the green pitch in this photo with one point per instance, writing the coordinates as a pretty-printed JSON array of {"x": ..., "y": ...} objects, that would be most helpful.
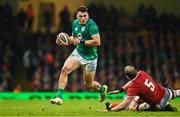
[{"x": 70, "y": 108}]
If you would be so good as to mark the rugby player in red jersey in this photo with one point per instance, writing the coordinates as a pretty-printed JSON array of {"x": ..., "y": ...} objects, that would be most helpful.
[{"x": 143, "y": 93}]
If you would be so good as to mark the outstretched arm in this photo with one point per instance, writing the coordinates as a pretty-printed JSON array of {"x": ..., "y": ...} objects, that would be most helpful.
[
  {"x": 118, "y": 107},
  {"x": 124, "y": 88},
  {"x": 123, "y": 105}
]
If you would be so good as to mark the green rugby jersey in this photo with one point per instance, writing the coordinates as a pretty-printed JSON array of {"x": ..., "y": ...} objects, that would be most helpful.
[{"x": 84, "y": 32}]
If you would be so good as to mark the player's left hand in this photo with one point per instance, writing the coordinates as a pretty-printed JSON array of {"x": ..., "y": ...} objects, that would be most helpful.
[{"x": 76, "y": 41}]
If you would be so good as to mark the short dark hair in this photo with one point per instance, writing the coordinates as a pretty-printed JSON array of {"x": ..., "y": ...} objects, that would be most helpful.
[{"x": 82, "y": 9}]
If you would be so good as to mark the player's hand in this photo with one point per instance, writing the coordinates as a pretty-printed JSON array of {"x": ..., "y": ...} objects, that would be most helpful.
[
  {"x": 113, "y": 92},
  {"x": 58, "y": 41},
  {"x": 71, "y": 40},
  {"x": 76, "y": 41}
]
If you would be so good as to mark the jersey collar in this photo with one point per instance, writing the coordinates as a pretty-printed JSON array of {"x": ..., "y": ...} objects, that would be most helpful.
[{"x": 136, "y": 76}]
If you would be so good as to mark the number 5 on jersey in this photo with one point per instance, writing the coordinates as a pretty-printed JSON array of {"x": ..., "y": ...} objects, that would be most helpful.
[{"x": 149, "y": 84}]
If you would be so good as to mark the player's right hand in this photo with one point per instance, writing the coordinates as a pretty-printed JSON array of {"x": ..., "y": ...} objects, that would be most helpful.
[
  {"x": 58, "y": 41},
  {"x": 76, "y": 41},
  {"x": 113, "y": 92},
  {"x": 71, "y": 40}
]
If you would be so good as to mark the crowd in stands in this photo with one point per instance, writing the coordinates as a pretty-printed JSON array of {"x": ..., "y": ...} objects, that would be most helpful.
[{"x": 147, "y": 40}]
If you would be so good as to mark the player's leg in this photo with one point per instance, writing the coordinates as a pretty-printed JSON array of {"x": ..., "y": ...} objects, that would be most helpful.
[
  {"x": 138, "y": 107},
  {"x": 176, "y": 93},
  {"x": 89, "y": 82},
  {"x": 164, "y": 104},
  {"x": 70, "y": 65},
  {"x": 169, "y": 107},
  {"x": 89, "y": 71},
  {"x": 146, "y": 107},
  {"x": 173, "y": 93},
  {"x": 139, "y": 104}
]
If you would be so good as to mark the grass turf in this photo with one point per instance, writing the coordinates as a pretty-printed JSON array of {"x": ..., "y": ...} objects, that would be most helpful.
[{"x": 70, "y": 108}]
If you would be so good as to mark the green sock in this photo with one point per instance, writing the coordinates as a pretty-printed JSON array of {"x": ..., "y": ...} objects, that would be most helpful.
[
  {"x": 60, "y": 93},
  {"x": 101, "y": 90}
]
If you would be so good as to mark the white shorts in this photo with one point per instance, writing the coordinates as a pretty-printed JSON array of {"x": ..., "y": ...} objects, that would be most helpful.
[
  {"x": 89, "y": 65},
  {"x": 167, "y": 96}
]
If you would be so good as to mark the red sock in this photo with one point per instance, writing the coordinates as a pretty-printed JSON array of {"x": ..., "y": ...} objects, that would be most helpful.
[{"x": 113, "y": 105}]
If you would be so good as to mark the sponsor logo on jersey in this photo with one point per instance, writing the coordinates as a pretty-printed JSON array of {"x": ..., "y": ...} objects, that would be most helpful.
[
  {"x": 76, "y": 28},
  {"x": 79, "y": 36},
  {"x": 83, "y": 29}
]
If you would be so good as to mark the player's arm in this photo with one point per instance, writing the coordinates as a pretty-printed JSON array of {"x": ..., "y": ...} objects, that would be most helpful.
[
  {"x": 95, "y": 36},
  {"x": 124, "y": 88},
  {"x": 123, "y": 105},
  {"x": 94, "y": 41},
  {"x": 133, "y": 105},
  {"x": 71, "y": 39}
]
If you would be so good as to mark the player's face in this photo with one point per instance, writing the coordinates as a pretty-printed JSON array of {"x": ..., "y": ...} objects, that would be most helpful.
[{"x": 82, "y": 17}]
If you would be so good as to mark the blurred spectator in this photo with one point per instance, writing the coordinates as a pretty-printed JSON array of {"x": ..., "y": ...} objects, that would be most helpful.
[
  {"x": 47, "y": 15},
  {"x": 30, "y": 17},
  {"x": 27, "y": 59},
  {"x": 6, "y": 18},
  {"x": 21, "y": 19},
  {"x": 36, "y": 84},
  {"x": 7, "y": 79},
  {"x": 46, "y": 80},
  {"x": 65, "y": 20},
  {"x": 151, "y": 15}
]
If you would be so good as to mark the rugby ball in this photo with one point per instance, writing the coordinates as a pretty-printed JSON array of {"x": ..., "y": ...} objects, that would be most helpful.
[{"x": 65, "y": 38}]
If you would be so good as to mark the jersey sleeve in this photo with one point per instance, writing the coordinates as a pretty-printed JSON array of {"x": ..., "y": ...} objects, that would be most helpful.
[{"x": 93, "y": 29}]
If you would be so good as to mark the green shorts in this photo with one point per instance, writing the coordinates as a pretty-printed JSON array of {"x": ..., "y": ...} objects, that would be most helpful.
[{"x": 88, "y": 65}]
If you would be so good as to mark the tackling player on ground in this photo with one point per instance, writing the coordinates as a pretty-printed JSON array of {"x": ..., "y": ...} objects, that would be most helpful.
[
  {"x": 143, "y": 93},
  {"x": 86, "y": 37}
]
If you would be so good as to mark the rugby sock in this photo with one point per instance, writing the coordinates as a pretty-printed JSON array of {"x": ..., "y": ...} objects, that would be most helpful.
[
  {"x": 178, "y": 92},
  {"x": 59, "y": 93},
  {"x": 113, "y": 105},
  {"x": 101, "y": 90}
]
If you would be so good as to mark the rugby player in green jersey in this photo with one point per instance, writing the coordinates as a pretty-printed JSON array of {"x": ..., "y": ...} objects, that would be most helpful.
[{"x": 86, "y": 37}]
